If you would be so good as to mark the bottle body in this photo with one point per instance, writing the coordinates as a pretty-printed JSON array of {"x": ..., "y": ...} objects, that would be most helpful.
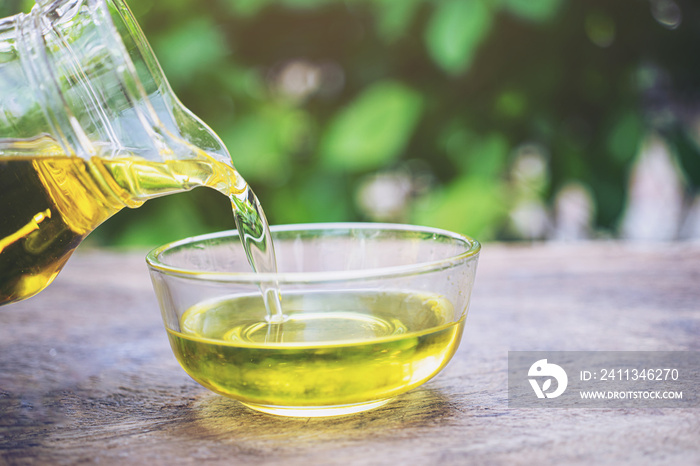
[
  {"x": 88, "y": 125},
  {"x": 48, "y": 205}
]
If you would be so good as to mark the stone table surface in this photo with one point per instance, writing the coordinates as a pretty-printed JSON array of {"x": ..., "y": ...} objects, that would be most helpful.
[{"x": 87, "y": 374}]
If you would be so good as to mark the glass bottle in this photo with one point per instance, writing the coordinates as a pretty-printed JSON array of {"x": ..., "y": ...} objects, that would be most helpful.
[{"x": 88, "y": 125}]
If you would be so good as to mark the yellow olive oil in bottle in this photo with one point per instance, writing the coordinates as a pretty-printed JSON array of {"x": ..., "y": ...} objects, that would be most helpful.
[{"x": 50, "y": 202}]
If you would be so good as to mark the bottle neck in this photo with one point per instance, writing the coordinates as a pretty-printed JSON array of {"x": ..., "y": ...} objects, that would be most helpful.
[
  {"x": 89, "y": 71},
  {"x": 38, "y": 50},
  {"x": 24, "y": 122}
]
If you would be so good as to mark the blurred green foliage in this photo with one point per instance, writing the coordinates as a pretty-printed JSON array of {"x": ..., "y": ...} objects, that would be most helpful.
[
  {"x": 373, "y": 130},
  {"x": 319, "y": 101}
]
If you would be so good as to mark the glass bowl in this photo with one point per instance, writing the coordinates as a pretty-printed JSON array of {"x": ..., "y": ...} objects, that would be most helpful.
[{"x": 368, "y": 311}]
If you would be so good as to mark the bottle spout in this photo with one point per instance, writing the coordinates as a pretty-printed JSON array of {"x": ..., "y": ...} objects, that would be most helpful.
[{"x": 170, "y": 130}]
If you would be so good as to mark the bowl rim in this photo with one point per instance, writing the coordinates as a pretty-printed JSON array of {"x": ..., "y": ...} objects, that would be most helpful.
[{"x": 471, "y": 252}]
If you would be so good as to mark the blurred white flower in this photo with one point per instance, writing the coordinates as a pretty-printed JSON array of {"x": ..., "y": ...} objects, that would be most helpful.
[
  {"x": 655, "y": 204},
  {"x": 384, "y": 197},
  {"x": 573, "y": 212}
]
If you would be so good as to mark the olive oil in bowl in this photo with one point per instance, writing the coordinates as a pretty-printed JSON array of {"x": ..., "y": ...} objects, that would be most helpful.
[{"x": 336, "y": 352}]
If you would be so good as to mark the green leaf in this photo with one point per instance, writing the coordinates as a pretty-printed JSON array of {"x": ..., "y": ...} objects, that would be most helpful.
[
  {"x": 242, "y": 82},
  {"x": 253, "y": 142},
  {"x": 314, "y": 197},
  {"x": 27, "y": 5},
  {"x": 246, "y": 8},
  {"x": 471, "y": 205},
  {"x": 488, "y": 156},
  {"x": 625, "y": 137},
  {"x": 687, "y": 150},
  {"x": 373, "y": 130},
  {"x": 12, "y": 7},
  {"x": 455, "y": 31},
  {"x": 394, "y": 17},
  {"x": 533, "y": 10},
  {"x": 261, "y": 143},
  {"x": 475, "y": 154},
  {"x": 190, "y": 49},
  {"x": 511, "y": 103}
]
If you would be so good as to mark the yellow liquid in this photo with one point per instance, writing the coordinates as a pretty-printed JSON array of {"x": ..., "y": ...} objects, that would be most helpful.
[
  {"x": 49, "y": 203},
  {"x": 334, "y": 350}
]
